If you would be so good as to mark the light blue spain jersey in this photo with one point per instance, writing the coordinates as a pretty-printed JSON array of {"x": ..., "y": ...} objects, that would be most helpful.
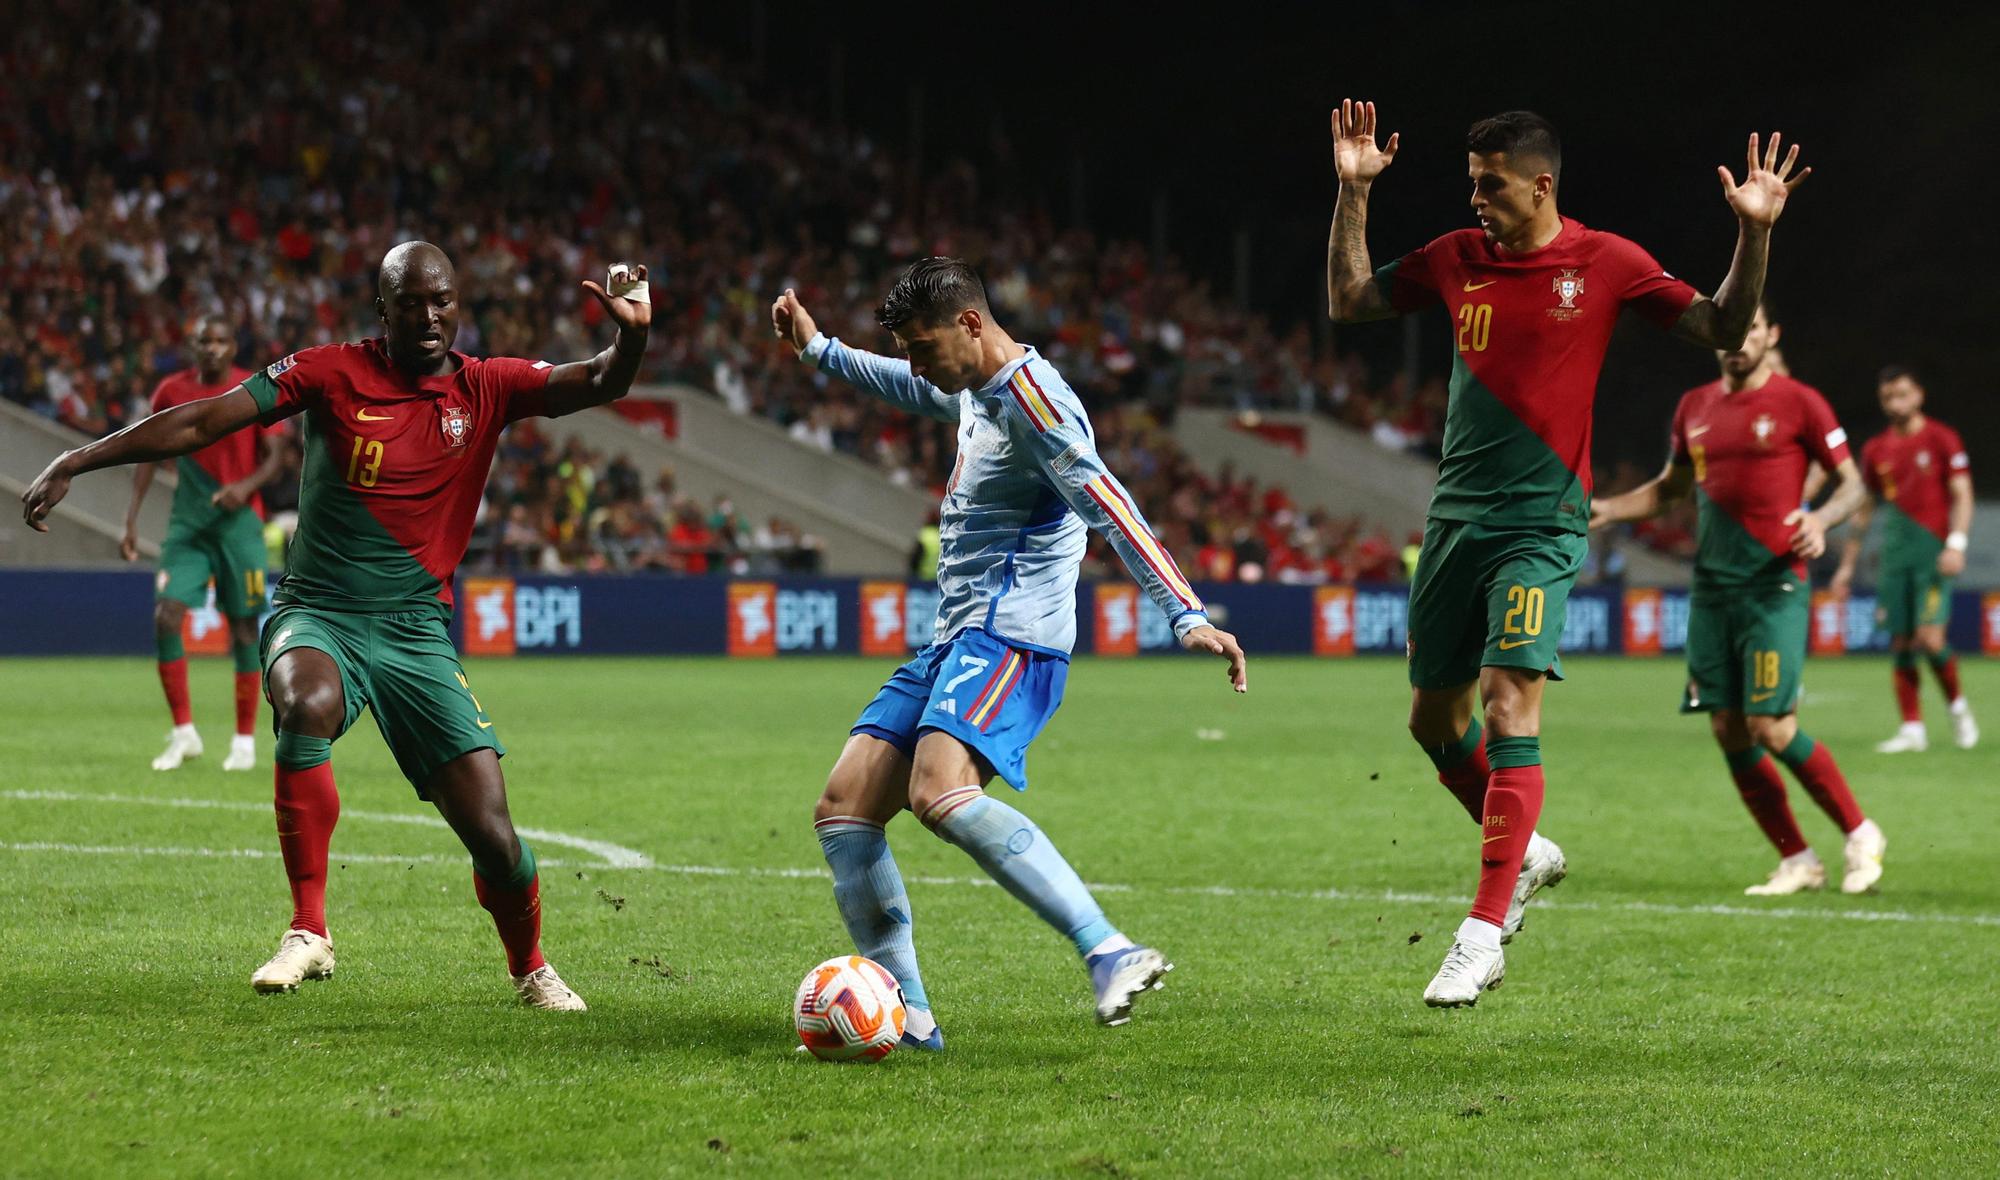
[{"x": 1027, "y": 483}]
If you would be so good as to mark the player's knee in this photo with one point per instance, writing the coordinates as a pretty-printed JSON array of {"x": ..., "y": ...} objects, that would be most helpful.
[
  {"x": 312, "y": 708},
  {"x": 1764, "y": 731},
  {"x": 1510, "y": 716},
  {"x": 167, "y": 616},
  {"x": 243, "y": 632},
  {"x": 1726, "y": 729}
]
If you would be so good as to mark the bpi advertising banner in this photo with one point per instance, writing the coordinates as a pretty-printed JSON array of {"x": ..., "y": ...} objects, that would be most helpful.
[{"x": 80, "y": 612}]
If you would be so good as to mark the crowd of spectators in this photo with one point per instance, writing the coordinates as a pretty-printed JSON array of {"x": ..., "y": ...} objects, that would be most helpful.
[{"x": 146, "y": 180}]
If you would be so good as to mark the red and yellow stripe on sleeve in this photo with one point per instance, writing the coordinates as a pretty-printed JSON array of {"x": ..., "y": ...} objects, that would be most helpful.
[
  {"x": 1033, "y": 402},
  {"x": 1111, "y": 498}
]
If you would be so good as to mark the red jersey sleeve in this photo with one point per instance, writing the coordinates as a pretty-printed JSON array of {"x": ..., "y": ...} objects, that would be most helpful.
[
  {"x": 1821, "y": 434},
  {"x": 159, "y": 400},
  {"x": 1646, "y": 287},
  {"x": 517, "y": 388},
  {"x": 1412, "y": 282},
  {"x": 1956, "y": 462},
  {"x": 285, "y": 387},
  {"x": 1869, "y": 478}
]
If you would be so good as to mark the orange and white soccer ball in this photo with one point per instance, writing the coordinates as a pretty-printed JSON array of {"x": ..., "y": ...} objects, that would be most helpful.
[{"x": 849, "y": 1009}]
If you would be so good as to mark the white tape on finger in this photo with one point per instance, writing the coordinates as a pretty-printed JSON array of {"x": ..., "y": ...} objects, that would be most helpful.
[{"x": 622, "y": 283}]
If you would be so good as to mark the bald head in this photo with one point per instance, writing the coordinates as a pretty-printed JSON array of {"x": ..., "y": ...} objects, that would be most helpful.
[{"x": 417, "y": 298}]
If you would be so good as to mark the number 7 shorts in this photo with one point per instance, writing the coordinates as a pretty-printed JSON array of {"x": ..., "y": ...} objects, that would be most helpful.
[
  {"x": 1489, "y": 596},
  {"x": 993, "y": 697}
]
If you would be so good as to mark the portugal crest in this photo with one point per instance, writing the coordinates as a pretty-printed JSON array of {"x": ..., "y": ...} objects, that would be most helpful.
[
  {"x": 1763, "y": 428},
  {"x": 1568, "y": 288},
  {"x": 457, "y": 425}
]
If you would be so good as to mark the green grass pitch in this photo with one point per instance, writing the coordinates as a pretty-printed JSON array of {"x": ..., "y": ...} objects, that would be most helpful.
[{"x": 1289, "y": 849}]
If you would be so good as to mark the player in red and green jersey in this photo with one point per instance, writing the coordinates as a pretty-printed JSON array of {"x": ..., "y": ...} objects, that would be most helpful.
[
  {"x": 216, "y": 531},
  {"x": 1919, "y": 469},
  {"x": 1532, "y": 298},
  {"x": 398, "y": 435},
  {"x": 1741, "y": 446}
]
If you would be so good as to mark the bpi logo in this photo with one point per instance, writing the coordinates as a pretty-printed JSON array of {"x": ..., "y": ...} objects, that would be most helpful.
[
  {"x": 1990, "y": 611},
  {"x": 1829, "y": 624},
  {"x": 489, "y": 622},
  {"x": 753, "y": 624},
  {"x": 883, "y": 621},
  {"x": 808, "y": 620},
  {"x": 1642, "y": 622},
  {"x": 1117, "y": 620},
  {"x": 1333, "y": 621}
]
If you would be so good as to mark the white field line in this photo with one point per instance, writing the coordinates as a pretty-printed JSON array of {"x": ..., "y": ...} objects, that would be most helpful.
[
  {"x": 1379, "y": 897},
  {"x": 613, "y": 855}
]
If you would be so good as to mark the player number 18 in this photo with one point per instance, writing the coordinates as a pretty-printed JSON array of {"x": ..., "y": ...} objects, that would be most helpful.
[
  {"x": 364, "y": 466},
  {"x": 1764, "y": 668}
]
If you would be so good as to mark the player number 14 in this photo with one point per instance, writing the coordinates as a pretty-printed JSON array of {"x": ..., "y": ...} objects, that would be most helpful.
[{"x": 364, "y": 466}]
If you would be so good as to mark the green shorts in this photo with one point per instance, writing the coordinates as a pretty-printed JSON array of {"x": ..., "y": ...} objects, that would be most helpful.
[
  {"x": 1911, "y": 597},
  {"x": 404, "y": 669},
  {"x": 231, "y": 551},
  {"x": 1489, "y": 596},
  {"x": 1746, "y": 649}
]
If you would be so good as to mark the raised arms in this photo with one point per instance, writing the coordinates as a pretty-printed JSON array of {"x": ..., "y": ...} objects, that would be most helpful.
[
  {"x": 1721, "y": 322},
  {"x": 607, "y": 376},
  {"x": 885, "y": 377},
  {"x": 1351, "y": 293}
]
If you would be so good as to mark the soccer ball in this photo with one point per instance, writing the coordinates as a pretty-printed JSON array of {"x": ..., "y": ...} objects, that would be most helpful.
[{"x": 849, "y": 1009}]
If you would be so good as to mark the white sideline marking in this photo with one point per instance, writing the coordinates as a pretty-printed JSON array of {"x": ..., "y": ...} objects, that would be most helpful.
[
  {"x": 615, "y": 856},
  {"x": 628, "y": 858}
]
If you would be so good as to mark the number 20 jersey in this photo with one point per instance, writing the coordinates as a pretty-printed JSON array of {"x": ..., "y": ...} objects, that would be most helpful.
[
  {"x": 1529, "y": 331},
  {"x": 394, "y": 469}
]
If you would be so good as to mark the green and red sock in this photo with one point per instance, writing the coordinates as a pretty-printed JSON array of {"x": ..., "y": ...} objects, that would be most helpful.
[
  {"x": 516, "y": 906},
  {"x": 1820, "y": 776},
  {"x": 308, "y": 807},
  {"x": 1513, "y": 805},
  {"x": 1462, "y": 768},
  {"x": 1763, "y": 792}
]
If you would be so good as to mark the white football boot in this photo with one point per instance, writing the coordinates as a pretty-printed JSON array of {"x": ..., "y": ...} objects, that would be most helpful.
[
  {"x": 1865, "y": 846},
  {"x": 301, "y": 955},
  {"x": 1964, "y": 729},
  {"x": 1910, "y": 739},
  {"x": 1474, "y": 964},
  {"x": 1122, "y": 975},
  {"x": 543, "y": 988},
  {"x": 183, "y": 743},
  {"x": 242, "y": 753},
  {"x": 1542, "y": 868},
  {"x": 1796, "y": 873}
]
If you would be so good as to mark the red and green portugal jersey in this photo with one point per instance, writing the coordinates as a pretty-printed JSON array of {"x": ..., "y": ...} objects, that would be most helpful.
[
  {"x": 1750, "y": 450},
  {"x": 1911, "y": 474},
  {"x": 395, "y": 466},
  {"x": 199, "y": 475},
  {"x": 1529, "y": 335}
]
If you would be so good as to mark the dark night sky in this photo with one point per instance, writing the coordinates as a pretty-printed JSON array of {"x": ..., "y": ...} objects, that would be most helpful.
[{"x": 1882, "y": 256}]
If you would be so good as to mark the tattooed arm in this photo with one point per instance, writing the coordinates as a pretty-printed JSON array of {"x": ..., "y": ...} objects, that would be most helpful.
[{"x": 1351, "y": 292}]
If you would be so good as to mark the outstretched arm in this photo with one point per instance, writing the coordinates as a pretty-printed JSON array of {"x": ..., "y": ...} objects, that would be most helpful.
[
  {"x": 1721, "y": 322},
  {"x": 165, "y": 435},
  {"x": 1352, "y": 295},
  {"x": 885, "y": 377},
  {"x": 607, "y": 376},
  {"x": 1647, "y": 500}
]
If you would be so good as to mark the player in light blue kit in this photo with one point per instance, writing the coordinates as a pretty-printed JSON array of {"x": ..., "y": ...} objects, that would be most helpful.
[{"x": 1011, "y": 539}]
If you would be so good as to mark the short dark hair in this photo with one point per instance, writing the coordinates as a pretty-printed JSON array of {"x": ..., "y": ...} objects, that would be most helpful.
[
  {"x": 1770, "y": 310},
  {"x": 1518, "y": 133},
  {"x": 1896, "y": 372},
  {"x": 931, "y": 292}
]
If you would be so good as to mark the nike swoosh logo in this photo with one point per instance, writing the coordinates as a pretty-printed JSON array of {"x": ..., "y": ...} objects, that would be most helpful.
[
  {"x": 1697, "y": 432},
  {"x": 1472, "y": 286},
  {"x": 484, "y": 724},
  {"x": 1491, "y": 839},
  {"x": 365, "y": 416},
  {"x": 1511, "y": 644},
  {"x": 1762, "y": 696}
]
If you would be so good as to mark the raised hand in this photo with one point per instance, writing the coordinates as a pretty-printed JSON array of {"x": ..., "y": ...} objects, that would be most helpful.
[
  {"x": 626, "y": 313},
  {"x": 1356, "y": 158},
  {"x": 1221, "y": 643},
  {"x": 791, "y": 322},
  {"x": 1761, "y": 197}
]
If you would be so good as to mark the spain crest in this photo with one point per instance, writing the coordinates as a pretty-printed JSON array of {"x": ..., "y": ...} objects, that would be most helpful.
[{"x": 457, "y": 425}]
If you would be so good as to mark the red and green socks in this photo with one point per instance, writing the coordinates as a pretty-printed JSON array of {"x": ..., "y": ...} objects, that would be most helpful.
[
  {"x": 1820, "y": 776},
  {"x": 1463, "y": 769},
  {"x": 1906, "y": 687},
  {"x": 1763, "y": 792},
  {"x": 308, "y": 808},
  {"x": 172, "y": 655},
  {"x": 1513, "y": 805},
  {"x": 516, "y": 905},
  {"x": 1944, "y": 665},
  {"x": 249, "y": 687}
]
